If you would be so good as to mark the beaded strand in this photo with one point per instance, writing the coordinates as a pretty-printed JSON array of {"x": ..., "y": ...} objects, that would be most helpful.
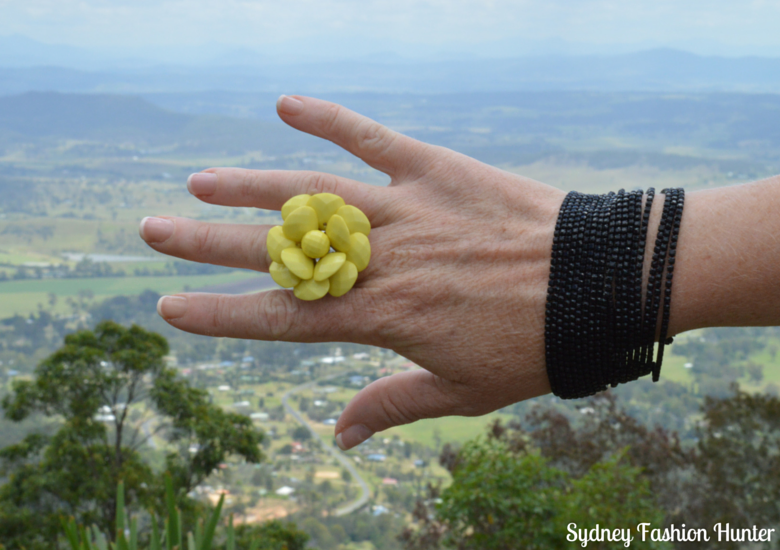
[{"x": 598, "y": 331}]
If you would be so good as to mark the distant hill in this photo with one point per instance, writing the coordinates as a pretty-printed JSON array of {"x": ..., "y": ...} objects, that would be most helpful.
[
  {"x": 117, "y": 119},
  {"x": 50, "y": 114},
  {"x": 653, "y": 70}
]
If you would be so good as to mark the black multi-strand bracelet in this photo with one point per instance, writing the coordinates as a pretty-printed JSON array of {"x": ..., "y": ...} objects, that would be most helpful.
[{"x": 598, "y": 332}]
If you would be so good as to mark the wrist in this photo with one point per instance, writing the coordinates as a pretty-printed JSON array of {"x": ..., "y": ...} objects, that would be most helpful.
[{"x": 728, "y": 258}]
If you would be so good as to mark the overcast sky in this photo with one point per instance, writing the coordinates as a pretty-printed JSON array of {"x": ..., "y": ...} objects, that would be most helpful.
[{"x": 405, "y": 27}]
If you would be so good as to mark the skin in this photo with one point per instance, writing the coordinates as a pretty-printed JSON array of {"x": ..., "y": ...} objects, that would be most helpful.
[{"x": 458, "y": 276}]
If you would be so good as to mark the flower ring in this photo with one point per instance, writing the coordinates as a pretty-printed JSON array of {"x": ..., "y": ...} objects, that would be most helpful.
[{"x": 321, "y": 246}]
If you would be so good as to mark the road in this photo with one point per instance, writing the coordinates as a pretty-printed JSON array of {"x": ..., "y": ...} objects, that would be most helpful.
[{"x": 330, "y": 448}]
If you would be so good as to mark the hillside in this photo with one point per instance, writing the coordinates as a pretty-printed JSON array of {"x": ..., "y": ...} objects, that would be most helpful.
[{"x": 135, "y": 122}]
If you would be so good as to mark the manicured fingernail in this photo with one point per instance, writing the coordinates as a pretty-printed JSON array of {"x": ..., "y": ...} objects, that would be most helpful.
[
  {"x": 354, "y": 435},
  {"x": 202, "y": 183},
  {"x": 289, "y": 105},
  {"x": 156, "y": 230},
  {"x": 172, "y": 307}
]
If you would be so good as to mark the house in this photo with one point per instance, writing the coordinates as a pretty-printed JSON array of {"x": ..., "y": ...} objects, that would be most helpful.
[
  {"x": 376, "y": 457},
  {"x": 285, "y": 491}
]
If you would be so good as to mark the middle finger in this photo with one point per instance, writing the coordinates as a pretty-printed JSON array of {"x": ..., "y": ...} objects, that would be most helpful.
[{"x": 231, "y": 245}]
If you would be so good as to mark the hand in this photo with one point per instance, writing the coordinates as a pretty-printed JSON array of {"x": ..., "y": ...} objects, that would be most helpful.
[{"x": 457, "y": 281}]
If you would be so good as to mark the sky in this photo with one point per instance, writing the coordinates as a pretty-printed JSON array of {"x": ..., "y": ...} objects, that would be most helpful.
[{"x": 176, "y": 29}]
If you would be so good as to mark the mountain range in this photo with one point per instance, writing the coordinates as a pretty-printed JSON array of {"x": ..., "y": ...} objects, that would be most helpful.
[{"x": 654, "y": 70}]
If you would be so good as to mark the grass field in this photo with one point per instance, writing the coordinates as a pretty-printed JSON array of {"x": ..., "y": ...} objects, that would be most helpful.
[
  {"x": 457, "y": 429},
  {"x": 23, "y": 297},
  {"x": 587, "y": 179}
]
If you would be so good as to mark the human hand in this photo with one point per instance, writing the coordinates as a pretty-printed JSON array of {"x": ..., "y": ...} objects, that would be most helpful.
[{"x": 457, "y": 281}]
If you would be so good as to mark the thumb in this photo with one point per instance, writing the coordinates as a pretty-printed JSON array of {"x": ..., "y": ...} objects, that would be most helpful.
[{"x": 399, "y": 399}]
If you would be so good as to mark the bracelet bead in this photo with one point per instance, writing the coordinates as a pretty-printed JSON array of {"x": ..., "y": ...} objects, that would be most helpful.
[{"x": 598, "y": 330}]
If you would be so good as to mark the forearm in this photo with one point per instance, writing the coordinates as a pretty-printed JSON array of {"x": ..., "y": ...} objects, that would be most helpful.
[{"x": 728, "y": 259}]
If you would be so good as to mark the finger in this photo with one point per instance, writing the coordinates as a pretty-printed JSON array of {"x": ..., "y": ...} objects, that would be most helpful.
[
  {"x": 231, "y": 245},
  {"x": 401, "y": 399},
  {"x": 271, "y": 315},
  {"x": 270, "y": 189},
  {"x": 380, "y": 147}
]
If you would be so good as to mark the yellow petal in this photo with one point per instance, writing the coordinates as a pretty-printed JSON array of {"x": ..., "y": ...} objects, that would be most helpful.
[
  {"x": 294, "y": 203},
  {"x": 343, "y": 280},
  {"x": 326, "y": 204},
  {"x": 356, "y": 220},
  {"x": 329, "y": 265},
  {"x": 299, "y": 222},
  {"x": 338, "y": 233},
  {"x": 299, "y": 263},
  {"x": 311, "y": 289},
  {"x": 359, "y": 251},
  {"x": 282, "y": 276},
  {"x": 315, "y": 244},
  {"x": 276, "y": 242}
]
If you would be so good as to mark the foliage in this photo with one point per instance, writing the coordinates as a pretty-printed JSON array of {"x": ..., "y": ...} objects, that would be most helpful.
[
  {"x": 615, "y": 495},
  {"x": 737, "y": 463},
  {"x": 602, "y": 430},
  {"x": 113, "y": 393},
  {"x": 171, "y": 538},
  {"x": 523, "y": 484},
  {"x": 272, "y": 535},
  {"x": 500, "y": 500},
  {"x": 505, "y": 497}
]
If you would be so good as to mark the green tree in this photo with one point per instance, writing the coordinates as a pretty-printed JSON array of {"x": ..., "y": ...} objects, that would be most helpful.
[
  {"x": 113, "y": 393},
  {"x": 615, "y": 495},
  {"x": 499, "y": 500},
  {"x": 737, "y": 464},
  {"x": 272, "y": 535},
  {"x": 504, "y": 497}
]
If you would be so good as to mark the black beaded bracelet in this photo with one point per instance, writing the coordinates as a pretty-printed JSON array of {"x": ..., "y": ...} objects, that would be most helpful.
[{"x": 598, "y": 331}]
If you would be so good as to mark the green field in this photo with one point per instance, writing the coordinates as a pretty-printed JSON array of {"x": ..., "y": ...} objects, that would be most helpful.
[
  {"x": 23, "y": 297},
  {"x": 450, "y": 429}
]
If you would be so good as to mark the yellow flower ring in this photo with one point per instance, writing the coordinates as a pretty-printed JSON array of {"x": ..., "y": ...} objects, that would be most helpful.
[{"x": 321, "y": 246}]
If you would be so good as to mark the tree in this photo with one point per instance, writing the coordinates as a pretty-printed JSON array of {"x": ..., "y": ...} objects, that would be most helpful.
[
  {"x": 737, "y": 463},
  {"x": 114, "y": 394},
  {"x": 272, "y": 535},
  {"x": 603, "y": 430},
  {"x": 504, "y": 497},
  {"x": 301, "y": 433}
]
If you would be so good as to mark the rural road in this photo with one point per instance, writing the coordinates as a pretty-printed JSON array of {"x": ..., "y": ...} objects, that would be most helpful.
[{"x": 329, "y": 447}]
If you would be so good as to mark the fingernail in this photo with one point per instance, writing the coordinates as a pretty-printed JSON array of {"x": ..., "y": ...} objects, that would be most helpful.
[
  {"x": 354, "y": 435},
  {"x": 156, "y": 230},
  {"x": 172, "y": 307},
  {"x": 289, "y": 105},
  {"x": 202, "y": 183}
]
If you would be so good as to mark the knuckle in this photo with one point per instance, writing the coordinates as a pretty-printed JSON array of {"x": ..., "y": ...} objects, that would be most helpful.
[
  {"x": 245, "y": 184},
  {"x": 220, "y": 315},
  {"x": 374, "y": 137},
  {"x": 257, "y": 251},
  {"x": 204, "y": 238},
  {"x": 396, "y": 409},
  {"x": 275, "y": 315},
  {"x": 318, "y": 182},
  {"x": 331, "y": 118}
]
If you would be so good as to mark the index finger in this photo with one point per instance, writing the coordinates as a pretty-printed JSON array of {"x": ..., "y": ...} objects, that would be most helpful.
[{"x": 380, "y": 147}]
